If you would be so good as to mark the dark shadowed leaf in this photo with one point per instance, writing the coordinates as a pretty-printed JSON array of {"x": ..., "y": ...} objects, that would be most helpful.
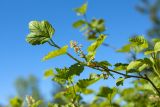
[{"x": 119, "y": 81}]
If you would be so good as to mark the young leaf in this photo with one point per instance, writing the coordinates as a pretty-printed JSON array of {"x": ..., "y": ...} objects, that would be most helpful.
[
  {"x": 92, "y": 48},
  {"x": 155, "y": 40},
  {"x": 78, "y": 23},
  {"x": 97, "y": 25},
  {"x": 139, "y": 65},
  {"x": 48, "y": 73},
  {"x": 62, "y": 73},
  {"x": 55, "y": 53},
  {"x": 16, "y": 102},
  {"x": 87, "y": 91},
  {"x": 157, "y": 47},
  {"x": 104, "y": 63},
  {"x": 148, "y": 52},
  {"x": 142, "y": 67},
  {"x": 120, "y": 66},
  {"x": 86, "y": 82},
  {"x": 134, "y": 65},
  {"x": 139, "y": 41},
  {"x": 119, "y": 81},
  {"x": 82, "y": 10},
  {"x": 107, "y": 92},
  {"x": 40, "y": 32},
  {"x": 97, "y": 43},
  {"x": 125, "y": 48}
]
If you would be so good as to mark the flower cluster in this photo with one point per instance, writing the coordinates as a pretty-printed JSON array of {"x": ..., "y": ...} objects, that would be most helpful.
[{"x": 77, "y": 48}]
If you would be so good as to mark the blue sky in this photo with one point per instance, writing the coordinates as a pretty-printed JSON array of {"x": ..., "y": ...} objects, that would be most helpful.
[{"x": 18, "y": 58}]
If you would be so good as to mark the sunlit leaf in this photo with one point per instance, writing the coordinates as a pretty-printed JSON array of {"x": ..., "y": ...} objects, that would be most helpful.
[
  {"x": 37, "y": 103},
  {"x": 139, "y": 65},
  {"x": 78, "y": 23},
  {"x": 155, "y": 40},
  {"x": 97, "y": 25},
  {"x": 55, "y": 53},
  {"x": 86, "y": 82},
  {"x": 87, "y": 91},
  {"x": 120, "y": 66},
  {"x": 139, "y": 41},
  {"x": 148, "y": 52},
  {"x": 48, "y": 73},
  {"x": 157, "y": 47},
  {"x": 82, "y": 10},
  {"x": 16, "y": 102},
  {"x": 125, "y": 48},
  {"x": 40, "y": 32},
  {"x": 134, "y": 65},
  {"x": 92, "y": 48},
  {"x": 97, "y": 43}
]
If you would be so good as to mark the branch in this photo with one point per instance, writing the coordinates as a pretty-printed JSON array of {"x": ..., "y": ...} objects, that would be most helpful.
[
  {"x": 55, "y": 45},
  {"x": 107, "y": 70},
  {"x": 147, "y": 78}
]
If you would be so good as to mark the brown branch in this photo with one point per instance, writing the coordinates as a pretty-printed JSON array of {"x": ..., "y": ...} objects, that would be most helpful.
[{"x": 107, "y": 70}]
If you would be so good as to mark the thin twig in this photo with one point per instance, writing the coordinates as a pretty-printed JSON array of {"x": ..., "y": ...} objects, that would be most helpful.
[
  {"x": 107, "y": 70},
  {"x": 147, "y": 78}
]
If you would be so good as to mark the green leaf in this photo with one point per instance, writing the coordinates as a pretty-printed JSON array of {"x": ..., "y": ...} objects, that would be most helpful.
[
  {"x": 55, "y": 53},
  {"x": 76, "y": 69},
  {"x": 96, "y": 76},
  {"x": 134, "y": 65},
  {"x": 155, "y": 40},
  {"x": 125, "y": 48},
  {"x": 139, "y": 41},
  {"x": 107, "y": 92},
  {"x": 48, "y": 73},
  {"x": 87, "y": 91},
  {"x": 97, "y": 43},
  {"x": 82, "y": 10},
  {"x": 92, "y": 48},
  {"x": 84, "y": 83},
  {"x": 148, "y": 52},
  {"x": 37, "y": 103},
  {"x": 62, "y": 75},
  {"x": 139, "y": 65},
  {"x": 104, "y": 63},
  {"x": 16, "y": 102},
  {"x": 142, "y": 67},
  {"x": 120, "y": 67},
  {"x": 157, "y": 47},
  {"x": 119, "y": 81},
  {"x": 40, "y": 32},
  {"x": 78, "y": 23},
  {"x": 97, "y": 25}
]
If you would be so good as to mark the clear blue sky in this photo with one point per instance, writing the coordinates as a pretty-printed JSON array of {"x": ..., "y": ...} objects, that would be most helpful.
[{"x": 18, "y": 58}]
